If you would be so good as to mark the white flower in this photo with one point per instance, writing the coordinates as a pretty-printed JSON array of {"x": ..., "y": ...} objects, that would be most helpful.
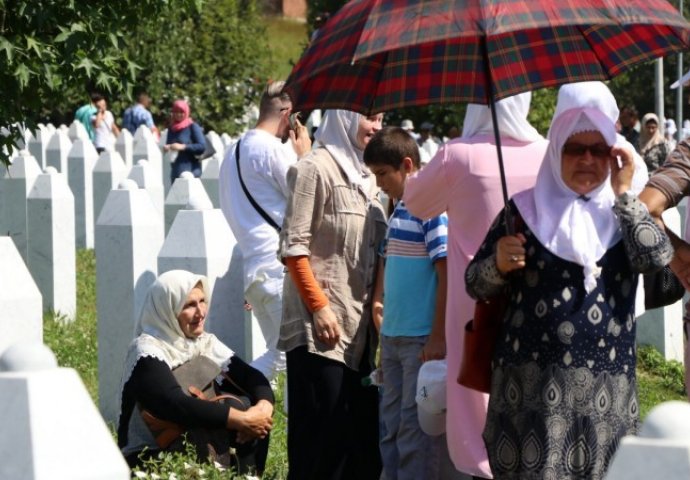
[
  {"x": 172, "y": 477},
  {"x": 155, "y": 476},
  {"x": 140, "y": 474},
  {"x": 187, "y": 466}
]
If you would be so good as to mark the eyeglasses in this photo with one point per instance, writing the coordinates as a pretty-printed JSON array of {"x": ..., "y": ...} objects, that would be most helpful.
[{"x": 599, "y": 150}]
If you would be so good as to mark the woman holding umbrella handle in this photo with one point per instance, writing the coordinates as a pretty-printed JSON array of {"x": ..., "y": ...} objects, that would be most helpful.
[{"x": 563, "y": 379}]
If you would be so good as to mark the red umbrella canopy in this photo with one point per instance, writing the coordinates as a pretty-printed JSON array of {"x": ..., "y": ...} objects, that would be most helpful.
[{"x": 378, "y": 55}]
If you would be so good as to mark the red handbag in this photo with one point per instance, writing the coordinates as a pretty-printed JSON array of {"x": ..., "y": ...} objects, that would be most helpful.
[{"x": 481, "y": 335}]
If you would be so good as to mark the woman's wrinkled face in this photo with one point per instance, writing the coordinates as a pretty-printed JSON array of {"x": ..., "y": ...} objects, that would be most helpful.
[
  {"x": 193, "y": 314},
  {"x": 585, "y": 161},
  {"x": 366, "y": 129}
]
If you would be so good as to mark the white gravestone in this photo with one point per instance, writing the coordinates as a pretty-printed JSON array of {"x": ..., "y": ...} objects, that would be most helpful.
[
  {"x": 57, "y": 151},
  {"x": 662, "y": 449},
  {"x": 24, "y": 138},
  {"x": 201, "y": 241},
  {"x": 182, "y": 191},
  {"x": 145, "y": 177},
  {"x": 78, "y": 130},
  {"x": 147, "y": 149},
  {"x": 65, "y": 129},
  {"x": 51, "y": 248},
  {"x": 129, "y": 235},
  {"x": 51, "y": 428},
  {"x": 168, "y": 159},
  {"x": 21, "y": 309},
  {"x": 663, "y": 327},
  {"x": 17, "y": 184},
  {"x": 51, "y": 128},
  {"x": 142, "y": 133},
  {"x": 227, "y": 140},
  {"x": 38, "y": 145},
  {"x": 82, "y": 159},
  {"x": 209, "y": 177},
  {"x": 108, "y": 172},
  {"x": 124, "y": 145}
]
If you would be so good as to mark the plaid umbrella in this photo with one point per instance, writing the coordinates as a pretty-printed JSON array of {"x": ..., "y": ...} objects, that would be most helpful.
[{"x": 378, "y": 55}]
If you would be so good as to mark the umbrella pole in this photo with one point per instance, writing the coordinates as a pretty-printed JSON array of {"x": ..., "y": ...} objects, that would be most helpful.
[{"x": 497, "y": 135}]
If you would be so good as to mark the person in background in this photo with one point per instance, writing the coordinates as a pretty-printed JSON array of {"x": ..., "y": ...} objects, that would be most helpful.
[
  {"x": 411, "y": 294},
  {"x": 104, "y": 127},
  {"x": 139, "y": 114},
  {"x": 670, "y": 131},
  {"x": 426, "y": 140},
  {"x": 85, "y": 113},
  {"x": 463, "y": 180},
  {"x": 651, "y": 143},
  {"x": 563, "y": 377},
  {"x": 630, "y": 128},
  {"x": 408, "y": 126},
  {"x": 332, "y": 228},
  {"x": 264, "y": 157},
  {"x": 170, "y": 334},
  {"x": 185, "y": 137}
]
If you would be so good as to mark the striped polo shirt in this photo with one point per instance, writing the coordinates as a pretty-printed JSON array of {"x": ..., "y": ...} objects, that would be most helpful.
[{"x": 411, "y": 248}]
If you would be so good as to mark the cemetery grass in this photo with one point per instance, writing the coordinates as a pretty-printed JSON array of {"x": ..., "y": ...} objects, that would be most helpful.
[{"x": 75, "y": 346}]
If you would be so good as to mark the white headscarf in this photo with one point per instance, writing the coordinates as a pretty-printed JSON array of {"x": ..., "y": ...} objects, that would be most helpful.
[
  {"x": 568, "y": 226},
  {"x": 647, "y": 141},
  {"x": 511, "y": 114},
  {"x": 338, "y": 134}
]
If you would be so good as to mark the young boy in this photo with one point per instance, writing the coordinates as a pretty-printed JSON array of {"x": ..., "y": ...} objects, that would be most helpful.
[{"x": 409, "y": 308}]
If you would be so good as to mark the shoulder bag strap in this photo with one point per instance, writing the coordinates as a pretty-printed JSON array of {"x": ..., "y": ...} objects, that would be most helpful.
[{"x": 256, "y": 206}]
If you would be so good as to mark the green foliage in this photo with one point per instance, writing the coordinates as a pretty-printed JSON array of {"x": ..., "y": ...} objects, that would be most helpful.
[
  {"x": 217, "y": 59},
  {"x": 287, "y": 39},
  {"x": 316, "y": 8},
  {"x": 53, "y": 50}
]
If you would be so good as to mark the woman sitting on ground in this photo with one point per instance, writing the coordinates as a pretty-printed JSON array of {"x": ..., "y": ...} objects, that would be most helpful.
[{"x": 170, "y": 334}]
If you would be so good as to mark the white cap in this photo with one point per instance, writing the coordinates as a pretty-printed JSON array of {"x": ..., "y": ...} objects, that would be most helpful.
[
  {"x": 407, "y": 124},
  {"x": 431, "y": 397}
]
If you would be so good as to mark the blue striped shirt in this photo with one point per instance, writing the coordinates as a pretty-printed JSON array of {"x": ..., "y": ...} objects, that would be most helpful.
[{"x": 412, "y": 246}]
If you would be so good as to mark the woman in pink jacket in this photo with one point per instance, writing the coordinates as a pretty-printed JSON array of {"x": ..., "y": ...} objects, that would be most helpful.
[{"x": 463, "y": 180}]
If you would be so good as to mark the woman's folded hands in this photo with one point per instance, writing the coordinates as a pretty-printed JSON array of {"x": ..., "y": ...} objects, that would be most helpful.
[{"x": 256, "y": 422}]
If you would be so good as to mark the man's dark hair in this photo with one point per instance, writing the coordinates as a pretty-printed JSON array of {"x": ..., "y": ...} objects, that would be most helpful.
[
  {"x": 96, "y": 97},
  {"x": 389, "y": 146}
]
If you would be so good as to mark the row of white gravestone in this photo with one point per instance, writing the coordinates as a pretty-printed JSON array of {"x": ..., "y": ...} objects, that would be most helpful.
[{"x": 132, "y": 250}]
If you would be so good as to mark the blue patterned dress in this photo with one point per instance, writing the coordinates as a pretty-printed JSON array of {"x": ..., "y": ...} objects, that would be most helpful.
[{"x": 563, "y": 386}]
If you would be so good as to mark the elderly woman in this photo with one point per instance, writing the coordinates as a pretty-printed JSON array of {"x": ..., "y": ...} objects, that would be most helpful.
[
  {"x": 332, "y": 228},
  {"x": 652, "y": 145},
  {"x": 186, "y": 138},
  {"x": 170, "y": 335},
  {"x": 563, "y": 387}
]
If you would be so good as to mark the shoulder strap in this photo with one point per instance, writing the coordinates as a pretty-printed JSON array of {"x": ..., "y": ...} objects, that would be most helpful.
[{"x": 256, "y": 206}]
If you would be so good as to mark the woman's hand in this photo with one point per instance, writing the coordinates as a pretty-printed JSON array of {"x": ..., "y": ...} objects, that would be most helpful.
[
  {"x": 176, "y": 147},
  {"x": 256, "y": 422},
  {"x": 621, "y": 174},
  {"x": 326, "y": 326},
  {"x": 510, "y": 253}
]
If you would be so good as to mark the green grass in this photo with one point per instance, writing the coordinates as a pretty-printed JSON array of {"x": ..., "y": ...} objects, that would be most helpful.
[
  {"x": 75, "y": 346},
  {"x": 287, "y": 40}
]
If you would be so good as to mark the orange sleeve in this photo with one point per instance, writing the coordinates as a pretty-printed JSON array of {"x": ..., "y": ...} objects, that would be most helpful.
[{"x": 309, "y": 290}]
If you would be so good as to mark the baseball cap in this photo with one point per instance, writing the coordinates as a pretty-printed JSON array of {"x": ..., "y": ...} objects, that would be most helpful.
[{"x": 431, "y": 397}]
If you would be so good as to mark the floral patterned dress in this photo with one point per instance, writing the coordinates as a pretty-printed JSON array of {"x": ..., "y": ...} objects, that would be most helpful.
[{"x": 563, "y": 387}]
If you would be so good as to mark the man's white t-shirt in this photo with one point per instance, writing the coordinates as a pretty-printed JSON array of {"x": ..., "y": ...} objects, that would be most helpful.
[{"x": 264, "y": 162}]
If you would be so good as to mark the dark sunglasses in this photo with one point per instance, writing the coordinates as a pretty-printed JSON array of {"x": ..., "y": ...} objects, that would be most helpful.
[{"x": 599, "y": 150}]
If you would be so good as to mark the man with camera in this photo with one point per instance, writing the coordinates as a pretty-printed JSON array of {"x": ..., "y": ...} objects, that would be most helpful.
[{"x": 253, "y": 195}]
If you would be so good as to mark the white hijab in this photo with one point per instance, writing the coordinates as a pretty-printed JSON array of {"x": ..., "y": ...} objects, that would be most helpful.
[
  {"x": 568, "y": 226},
  {"x": 511, "y": 114},
  {"x": 158, "y": 333},
  {"x": 337, "y": 133}
]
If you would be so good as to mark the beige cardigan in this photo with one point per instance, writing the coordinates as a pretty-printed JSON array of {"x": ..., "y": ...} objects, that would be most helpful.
[{"x": 340, "y": 228}]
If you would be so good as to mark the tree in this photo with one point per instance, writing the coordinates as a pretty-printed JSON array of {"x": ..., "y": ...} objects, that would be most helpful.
[{"x": 47, "y": 48}]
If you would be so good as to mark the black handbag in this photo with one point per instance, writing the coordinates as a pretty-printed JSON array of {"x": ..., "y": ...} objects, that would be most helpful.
[{"x": 662, "y": 288}]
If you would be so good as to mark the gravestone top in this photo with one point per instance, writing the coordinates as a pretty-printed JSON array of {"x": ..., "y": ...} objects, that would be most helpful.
[
  {"x": 27, "y": 357},
  {"x": 670, "y": 420},
  {"x": 50, "y": 171},
  {"x": 128, "y": 184},
  {"x": 199, "y": 202},
  {"x": 186, "y": 175}
]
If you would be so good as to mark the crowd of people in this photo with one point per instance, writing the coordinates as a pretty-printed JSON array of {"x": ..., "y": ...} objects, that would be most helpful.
[{"x": 342, "y": 283}]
